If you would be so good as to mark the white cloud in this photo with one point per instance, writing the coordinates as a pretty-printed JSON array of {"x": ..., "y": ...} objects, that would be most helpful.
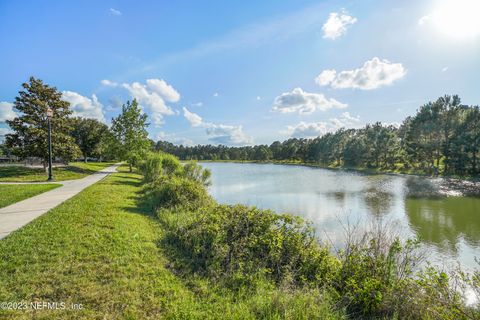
[
  {"x": 345, "y": 121},
  {"x": 151, "y": 95},
  {"x": 316, "y": 129},
  {"x": 259, "y": 98},
  {"x": 373, "y": 74},
  {"x": 228, "y": 135},
  {"x": 164, "y": 89},
  {"x": 197, "y": 104},
  {"x": 3, "y": 132},
  {"x": 6, "y": 111},
  {"x": 83, "y": 106},
  {"x": 221, "y": 133},
  {"x": 115, "y": 12},
  {"x": 326, "y": 77},
  {"x": 304, "y": 103},
  {"x": 109, "y": 83},
  {"x": 337, "y": 24},
  {"x": 194, "y": 119},
  {"x": 444, "y": 69},
  {"x": 307, "y": 129},
  {"x": 215, "y": 94},
  {"x": 171, "y": 137}
]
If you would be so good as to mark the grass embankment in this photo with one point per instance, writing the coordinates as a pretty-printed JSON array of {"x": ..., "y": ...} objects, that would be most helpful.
[
  {"x": 102, "y": 249},
  {"x": 74, "y": 170},
  {"x": 11, "y": 193}
]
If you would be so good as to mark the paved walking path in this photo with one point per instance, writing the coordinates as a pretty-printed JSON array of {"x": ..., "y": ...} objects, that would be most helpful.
[{"x": 19, "y": 214}]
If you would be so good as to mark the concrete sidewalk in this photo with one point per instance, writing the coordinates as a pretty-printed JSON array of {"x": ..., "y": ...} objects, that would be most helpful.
[{"x": 19, "y": 214}]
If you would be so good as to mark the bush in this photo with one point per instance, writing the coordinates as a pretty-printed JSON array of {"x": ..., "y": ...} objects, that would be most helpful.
[
  {"x": 240, "y": 244},
  {"x": 177, "y": 192},
  {"x": 160, "y": 165},
  {"x": 192, "y": 170},
  {"x": 381, "y": 277}
]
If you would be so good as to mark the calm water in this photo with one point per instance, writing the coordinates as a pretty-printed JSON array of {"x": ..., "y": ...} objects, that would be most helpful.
[{"x": 449, "y": 227}]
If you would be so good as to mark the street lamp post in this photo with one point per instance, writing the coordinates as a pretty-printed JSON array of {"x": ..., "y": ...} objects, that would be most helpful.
[{"x": 49, "y": 117}]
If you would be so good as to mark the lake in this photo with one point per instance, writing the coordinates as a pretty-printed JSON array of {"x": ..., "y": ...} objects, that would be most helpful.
[{"x": 449, "y": 227}]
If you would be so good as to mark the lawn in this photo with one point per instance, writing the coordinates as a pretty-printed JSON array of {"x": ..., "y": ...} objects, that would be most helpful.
[
  {"x": 11, "y": 193},
  {"x": 74, "y": 170},
  {"x": 101, "y": 250}
]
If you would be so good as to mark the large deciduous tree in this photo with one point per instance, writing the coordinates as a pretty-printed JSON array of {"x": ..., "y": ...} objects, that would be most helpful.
[
  {"x": 30, "y": 128},
  {"x": 129, "y": 130},
  {"x": 88, "y": 134}
]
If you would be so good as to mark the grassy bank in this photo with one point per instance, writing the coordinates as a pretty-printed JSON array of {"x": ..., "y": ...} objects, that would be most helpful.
[
  {"x": 74, "y": 170},
  {"x": 11, "y": 193}
]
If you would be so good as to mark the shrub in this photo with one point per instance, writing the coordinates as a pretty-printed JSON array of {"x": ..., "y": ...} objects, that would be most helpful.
[
  {"x": 192, "y": 170},
  {"x": 160, "y": 165},
  {"x": 177, "y": 192},
  {"x": 240, "y": 244}
]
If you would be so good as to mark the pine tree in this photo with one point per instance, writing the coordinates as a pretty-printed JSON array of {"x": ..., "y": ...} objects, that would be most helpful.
[
  {"x": 30, "y": 128},
  {"x": 129, "y": 130}
]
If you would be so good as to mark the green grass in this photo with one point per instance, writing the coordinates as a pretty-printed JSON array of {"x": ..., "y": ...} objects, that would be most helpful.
[
  {"x": 11, "y": 193},
  {"x": 74, "y": 170},
  {"x": 102, "y": 249}
]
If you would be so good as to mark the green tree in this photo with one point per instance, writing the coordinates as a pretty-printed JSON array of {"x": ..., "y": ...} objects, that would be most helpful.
[
  {"x": 30, "y": 128},
  {"x": 88, "y": 134},
  {"x": 129, "y": 130}
]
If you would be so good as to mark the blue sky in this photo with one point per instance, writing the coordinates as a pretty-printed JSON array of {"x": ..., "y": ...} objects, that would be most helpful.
[{"x": 243, "y": 72}]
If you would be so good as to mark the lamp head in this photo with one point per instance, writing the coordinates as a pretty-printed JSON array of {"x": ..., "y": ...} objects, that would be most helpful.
[{"x": 49, "y": 112}]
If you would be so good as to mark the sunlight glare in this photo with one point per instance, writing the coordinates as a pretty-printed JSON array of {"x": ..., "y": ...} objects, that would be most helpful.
[{"x": 458, "y": 18}]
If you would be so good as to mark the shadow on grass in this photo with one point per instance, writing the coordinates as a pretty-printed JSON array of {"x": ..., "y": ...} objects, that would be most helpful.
[
  {"x": 18, "y": 171},
  {"x": 75, "y": 170}
]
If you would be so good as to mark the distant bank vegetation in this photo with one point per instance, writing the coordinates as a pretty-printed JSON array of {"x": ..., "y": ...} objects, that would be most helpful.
[
  {"x": 443, "y": 137},
  {"x": 244, "y": 249}
]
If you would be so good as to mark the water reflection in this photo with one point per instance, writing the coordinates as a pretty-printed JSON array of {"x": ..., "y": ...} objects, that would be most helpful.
[
  {"x": 379, "y": 202},
  {"x": 444, "y": 221}
]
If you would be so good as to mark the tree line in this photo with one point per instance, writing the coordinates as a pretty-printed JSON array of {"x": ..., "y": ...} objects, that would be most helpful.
[
  {"x": 443, "y": 137},
  {"x": 72, "y": 137}
]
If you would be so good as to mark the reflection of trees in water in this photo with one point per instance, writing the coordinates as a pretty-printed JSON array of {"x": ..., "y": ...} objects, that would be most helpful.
[
  {"x": 417, "y": 187},
  {"x": 442, "y": 221},
  {"x": 378, "y": 202}
]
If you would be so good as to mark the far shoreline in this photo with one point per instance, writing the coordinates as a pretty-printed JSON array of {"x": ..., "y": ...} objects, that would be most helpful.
[{"x": 449, "y": 185}]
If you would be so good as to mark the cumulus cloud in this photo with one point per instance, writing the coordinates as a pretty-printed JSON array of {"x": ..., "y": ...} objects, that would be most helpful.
[
  {"x": 6, "y": 111},
  {"x": 337, "y": 24},
  {"x": 228, "y": 135},
  {"x": 344, "y": 121},
  {"x": 220, "y": 133},
  {"x": 194, "y": 119},
  {"x": 164, "y": 89},
  {"x": 215, "y": 94},
  {"x": 171, "y": 137},
  {"x": 307, "y": 129},
  {"x": 151, "y": 95},
  {"x": 114, "y": 12},
  {"x": 316, "y": 129},
  {"x": 373, "y": 74},
  {"x": 304, "y": 102},
  {"x": 84, "y": 106}
]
